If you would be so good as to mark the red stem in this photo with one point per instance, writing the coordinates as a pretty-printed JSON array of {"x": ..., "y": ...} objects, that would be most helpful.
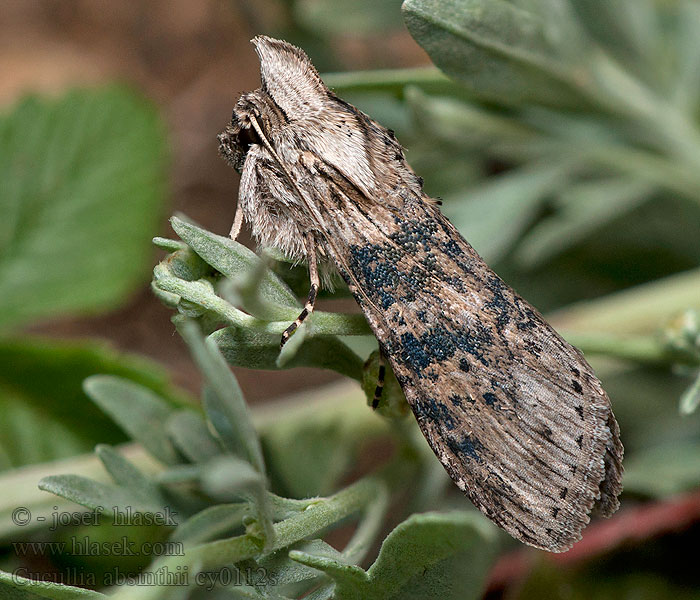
[{"x": 631, "y": 525}]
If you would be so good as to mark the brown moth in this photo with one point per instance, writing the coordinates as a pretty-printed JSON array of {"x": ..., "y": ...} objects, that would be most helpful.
[{"x": 514, "y": 413}]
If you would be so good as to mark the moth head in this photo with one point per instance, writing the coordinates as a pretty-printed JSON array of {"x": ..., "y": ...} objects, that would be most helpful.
[{"x": 240, "y": 135}]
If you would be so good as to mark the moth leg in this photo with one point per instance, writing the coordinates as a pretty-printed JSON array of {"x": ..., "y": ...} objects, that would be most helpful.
[
  {"x": 237, "y": 223},
  {"x": 311, "y": 300},
  {"x": 380, "y": 380}
]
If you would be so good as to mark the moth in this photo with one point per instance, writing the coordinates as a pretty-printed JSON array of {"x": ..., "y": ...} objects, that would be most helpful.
[{"x": 512, "y": 411}]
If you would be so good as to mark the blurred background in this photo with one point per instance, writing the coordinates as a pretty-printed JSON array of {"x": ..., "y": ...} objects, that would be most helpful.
[
  {"x": 562, "y": 135},
  {"x": 192, "y": 60}
]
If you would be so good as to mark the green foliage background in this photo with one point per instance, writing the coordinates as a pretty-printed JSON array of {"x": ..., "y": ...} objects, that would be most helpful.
[{"x": 563, "y": 137}]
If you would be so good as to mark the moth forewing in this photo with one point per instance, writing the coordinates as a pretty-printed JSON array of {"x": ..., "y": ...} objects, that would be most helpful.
[{"x": 513, "y": 412}]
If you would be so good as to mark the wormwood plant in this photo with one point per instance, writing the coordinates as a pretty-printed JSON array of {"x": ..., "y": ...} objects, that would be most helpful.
[
  {"x": 215, "y": 476},
  {"x": 565, "y": 144}
]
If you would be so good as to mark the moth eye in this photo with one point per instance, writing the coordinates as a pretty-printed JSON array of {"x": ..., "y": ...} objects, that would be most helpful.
[{"x": 247, "y": 136}]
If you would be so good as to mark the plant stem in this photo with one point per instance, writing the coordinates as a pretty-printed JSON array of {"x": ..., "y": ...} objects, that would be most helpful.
[
  {"x": 641, "y": 349},
  {"x": 388, "y": 79},
  {"x": 641, "y": 309},
  {"x": 224, "y": 553},
  {"x": 199, "y": 293}
]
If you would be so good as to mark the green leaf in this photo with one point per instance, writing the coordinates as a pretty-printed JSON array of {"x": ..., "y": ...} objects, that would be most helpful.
[
  {"x": 223, "y": 400},
  {"x": 137, "y": 410},
  {"x": 690, "y": 400},
  {"x": 649, "y": 238},
  {"x": 586, "y": 208},
  {"x": 628, "y": 29},
  {"x": 211, "y": 523},
  {"x": 168, "y": 245},
  {"x": 492, "y": 215},
  {"x": 337, "y": 17},
  {"x": 307, "y": 455},
  {"x": 390, "y": 80},
  {"x": 663, "y": 470},
  {"x": 291, "y": 347},
  {"x": 393, "y": 403},
  {"x": 228, "y": 477},
  {"x": 44, "y": 409},
  {"x": 289, "y": 571},
  {"x": 351, "y": 580},
  {"x": 252, "y": 349},
  {"x": 428, "y": 556},
  {"x": 278, "y": 576},
  {"x": 184, "y": 280},
  {"x": 233, "y": 260},
  {"x": 686, "y": 92},
  {"x": 198, "y": 298},
  {"x": 190, "y": 434},
  {"x": 463, "y": 124},
  {"x": 99, "y": 496},
  {"x": 15, "y": 587},
  {"x": 83, "y": 186},
  {"x": 507, "y": 51},
  {"x": 126, "y": 475},
  {"x": 435, "y": 555}
]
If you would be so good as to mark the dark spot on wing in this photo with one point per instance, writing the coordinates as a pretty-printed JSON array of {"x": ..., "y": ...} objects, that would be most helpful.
[
  {"x": 451, "y": 248},
  {"x": 490, "y": 398},
  {"x": 430, "y": 408},
  {"x": 577, "y": 386},
  {"x": 440, "y": 342},
  {"x": 456, "y": 400},
  {"x": 563, "y": 493},
  {"x": 415, "y": 233},
  {"x": 413, "y": 353},
  {"x": 527, "y": 319},
  {"x": 532, "y": 348},
  {"x": 579, "y": 410},
  {"x": 477, "y": 342},
  {"x": 499, "y": 303},
  {"x": 467, "y": 446},
  {"x": 464, "y": 365},
  {"x": 379, "y": 274}
]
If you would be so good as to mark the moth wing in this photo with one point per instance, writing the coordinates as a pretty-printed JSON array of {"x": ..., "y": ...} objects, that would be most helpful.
[
  {"x": 324, "y": 125},
  {"x": 289, "y": 77},
  {"x": 513, "y": 412}
]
